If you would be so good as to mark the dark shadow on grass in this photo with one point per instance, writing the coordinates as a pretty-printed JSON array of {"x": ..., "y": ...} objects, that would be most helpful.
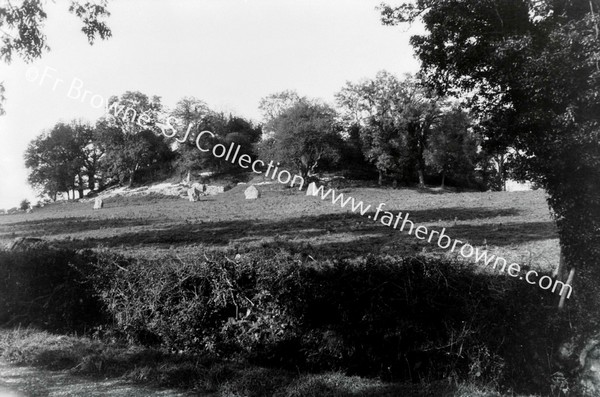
[
  {"x": 343, "y": 234},
  {"x": 53, "y": 226}
]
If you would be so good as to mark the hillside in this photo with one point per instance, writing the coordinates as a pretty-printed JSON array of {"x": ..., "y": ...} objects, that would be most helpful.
[{"x": 516, "y": 225}]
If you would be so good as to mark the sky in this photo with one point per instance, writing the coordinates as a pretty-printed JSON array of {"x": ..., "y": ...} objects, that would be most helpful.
[{"x": 229, "y": 53}]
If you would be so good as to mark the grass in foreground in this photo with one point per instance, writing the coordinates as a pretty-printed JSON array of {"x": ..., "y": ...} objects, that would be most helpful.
[{"x": 96, "y": 359}]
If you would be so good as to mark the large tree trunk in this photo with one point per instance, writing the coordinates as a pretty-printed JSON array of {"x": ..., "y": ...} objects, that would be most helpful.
[{"x": 574, "y": 200}]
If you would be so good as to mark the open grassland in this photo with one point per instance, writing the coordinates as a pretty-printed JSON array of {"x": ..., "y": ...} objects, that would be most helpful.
[{"x": 515, "y": 225}]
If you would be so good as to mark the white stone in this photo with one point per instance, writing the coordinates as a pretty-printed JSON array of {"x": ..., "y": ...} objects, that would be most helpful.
[
  {"x": 199, "y": 187},
  {"x": 193, "y": 194},
  {"x": 251, "y": 193},
  {"x": 98, "y": 203},
  {"x": 312, "y": 189}
]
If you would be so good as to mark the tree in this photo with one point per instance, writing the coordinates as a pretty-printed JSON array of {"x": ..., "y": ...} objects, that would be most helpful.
[
  {"x": 192, "y": 116},
  {"x": 128, "y": 138},
  {"x": 128, "y": 155},
  {"x": 536, "y": 63},
  {"x": 25, "y": 204},
  {"x": 275, "y": 104},
  {"x": 305, "y": 136},
  {"x": 189, "y": 114},
  {"x": 452, "y": 150},
  {"x": 394, "y": 118},
  {"x": 21, "y": 29},
  {"x": 55, "y": 160}
]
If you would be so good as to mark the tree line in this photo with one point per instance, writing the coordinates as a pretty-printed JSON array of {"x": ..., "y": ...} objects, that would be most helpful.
[{"x": 394, "y": 130}]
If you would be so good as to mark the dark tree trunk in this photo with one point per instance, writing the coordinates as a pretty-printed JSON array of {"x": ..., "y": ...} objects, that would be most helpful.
[
  {"x": 91, "y": 181},
  {"x": 80, "y": 186},
  {"x": 421, "y": 177},
  {"x": 131, "y": 179},
  {"x": 380, "y": 180}
]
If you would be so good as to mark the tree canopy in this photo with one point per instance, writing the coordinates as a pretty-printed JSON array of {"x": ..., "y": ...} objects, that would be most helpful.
[
  {"x": 305, "y": 136},
  {"x": 21, "y": 28},
  {"x": 534, "y": 64}
]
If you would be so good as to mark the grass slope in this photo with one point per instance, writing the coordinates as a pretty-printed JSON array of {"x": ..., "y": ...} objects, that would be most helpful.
[{"x": 516, "y": 225}]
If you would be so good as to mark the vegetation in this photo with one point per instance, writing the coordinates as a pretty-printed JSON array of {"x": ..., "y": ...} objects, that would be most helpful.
[
  {"x": 340, "y": 315},
  {"x": 304, "y": 137},
  {"x": 22, "y": 26},
  {"x": 507, "y": 88},
  {"x": 533, "y": 66},
  {"x": 415, "y": 319}
]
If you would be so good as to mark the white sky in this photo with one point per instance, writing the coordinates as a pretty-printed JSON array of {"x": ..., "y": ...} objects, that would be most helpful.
[{"x": 229, "y": 53}]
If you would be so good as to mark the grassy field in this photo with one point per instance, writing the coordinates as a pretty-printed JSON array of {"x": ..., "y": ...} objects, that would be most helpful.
[{"x": 515, "y": 225}]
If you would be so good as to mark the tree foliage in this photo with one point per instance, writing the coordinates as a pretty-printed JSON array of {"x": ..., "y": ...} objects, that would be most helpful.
[
  {"x": 452, "y": 149},
  {"x": 275, "y": 104},
  {"x": 21, "y": 28},
  {"x": 305, "y": 136},
  {"x": 533, "y": 63},
  {"x": 59, "y": 159},
  {"x": 395, "y": 118},
  {"x": 129, "y": 137},
  {"x": 192, "y": 116}
]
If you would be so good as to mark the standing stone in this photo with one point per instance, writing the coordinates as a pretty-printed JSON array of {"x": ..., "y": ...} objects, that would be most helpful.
[
  {"x": 29, "y": 210},
  {"x": 251, "y": 193},
  {"x": 312, "y": 189},
  {"x": 98, "y": 203},
  {"x": 193, "y": 194},
  {"x": 200, "y": 188}
]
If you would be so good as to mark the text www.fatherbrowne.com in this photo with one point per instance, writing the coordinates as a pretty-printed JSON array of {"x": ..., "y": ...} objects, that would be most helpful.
[
  {"x": 385, "y": 217},
  {"x": 389, "y": 219},
  {"x": 444, "y": 241},
  {"x": 284, "y": 177}
]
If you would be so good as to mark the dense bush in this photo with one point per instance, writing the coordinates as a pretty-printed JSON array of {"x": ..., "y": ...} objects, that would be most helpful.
[
  {"x": 45, "y": 287},
  {"x": 396, "y": 318},
  {"x": 399, "y": 318}
]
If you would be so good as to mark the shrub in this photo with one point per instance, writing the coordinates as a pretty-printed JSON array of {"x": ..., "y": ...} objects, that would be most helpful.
[
  {"x": 45, "y": 287},
  {"x": 24, "y": 205},
  {"x": 397, "y": 318},
  {"x": 392, "y": 317}
]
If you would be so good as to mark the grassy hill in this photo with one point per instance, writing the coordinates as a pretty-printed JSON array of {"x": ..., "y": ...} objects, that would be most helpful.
[
  {"x": 170, "y": 230},
  {"x": 516, "y": 225}
]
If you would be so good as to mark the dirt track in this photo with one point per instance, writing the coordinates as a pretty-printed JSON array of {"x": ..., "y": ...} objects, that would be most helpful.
[{"x": 18, "y": 381}]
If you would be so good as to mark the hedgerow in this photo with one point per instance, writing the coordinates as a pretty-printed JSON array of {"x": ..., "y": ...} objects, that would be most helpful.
[{"x": 396, "y": 318}]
